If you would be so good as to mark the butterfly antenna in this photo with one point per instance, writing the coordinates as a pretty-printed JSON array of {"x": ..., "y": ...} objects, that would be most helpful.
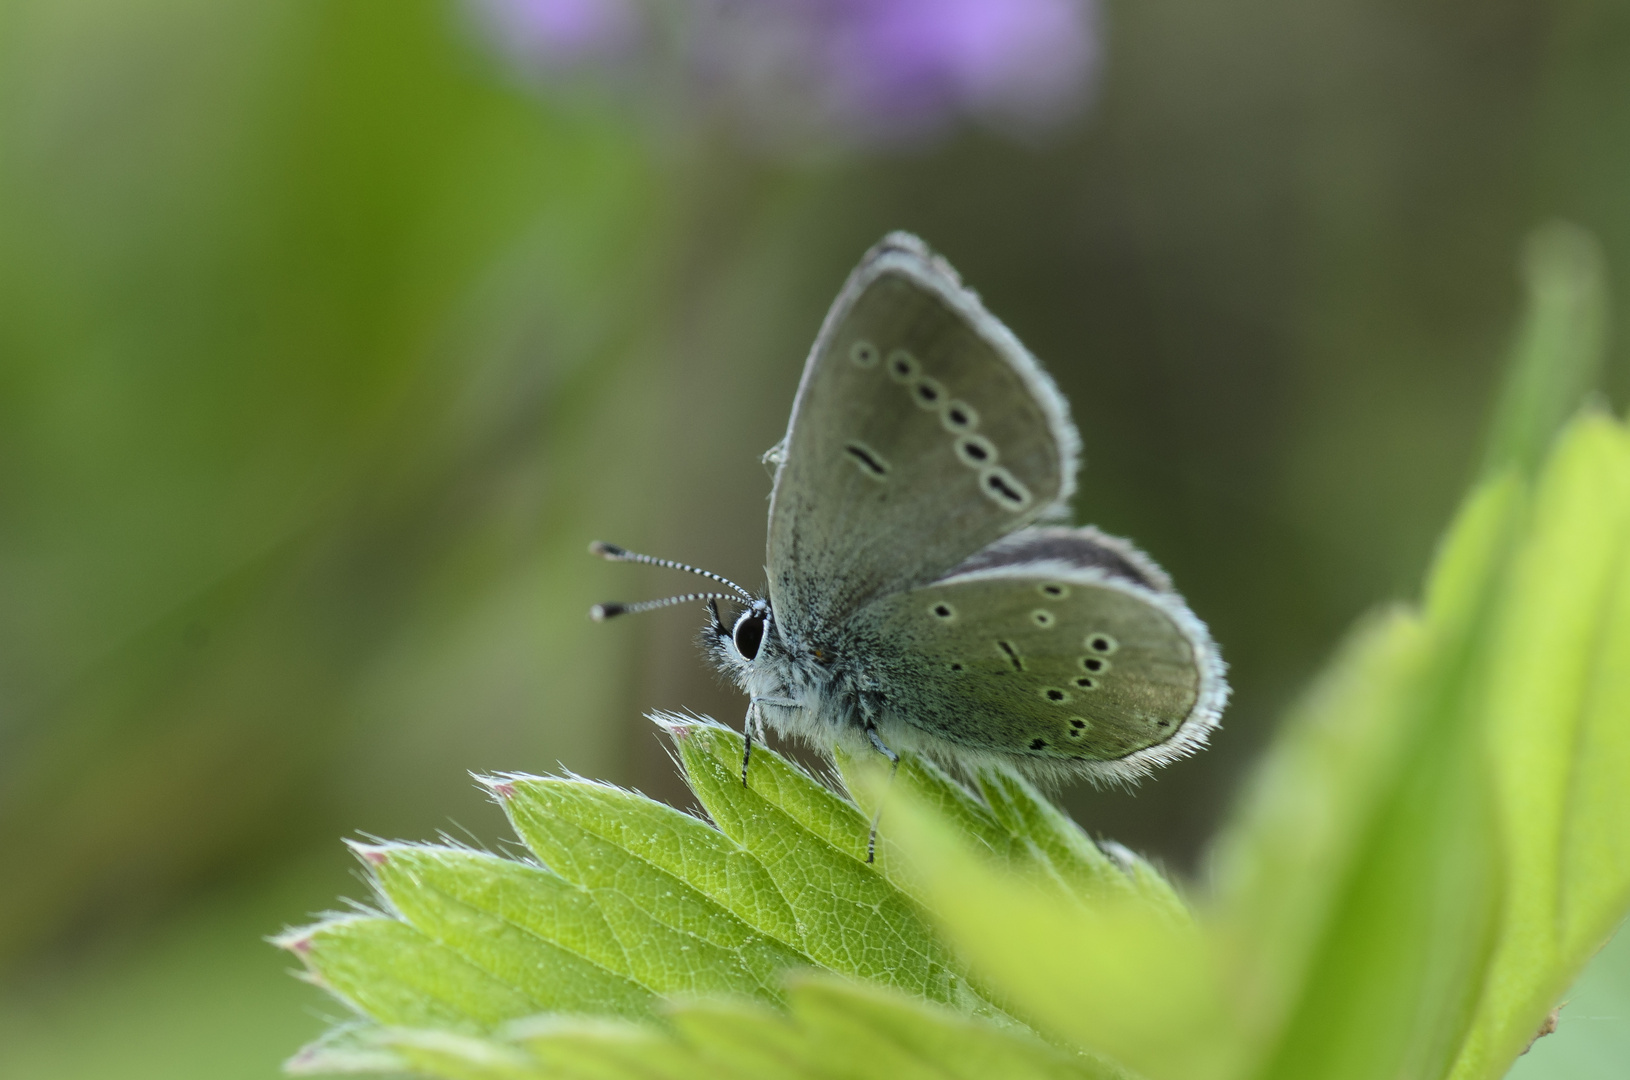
[
  {"x": 602, "y": 612},
  {"x": 616, "y": 554}
]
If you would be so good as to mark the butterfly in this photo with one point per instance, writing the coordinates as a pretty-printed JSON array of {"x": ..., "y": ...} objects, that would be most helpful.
[{"x": 922, "y": 594}]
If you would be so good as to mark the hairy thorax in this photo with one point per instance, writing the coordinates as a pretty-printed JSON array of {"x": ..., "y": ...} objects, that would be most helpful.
[{"x": 809, "y": 694}]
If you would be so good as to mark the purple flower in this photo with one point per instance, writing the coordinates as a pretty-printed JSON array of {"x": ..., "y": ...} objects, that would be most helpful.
[
  {"x": 907, "y": 64},
  {"x": 886, "y": 68},
  {"x": 865, "y": 70},
  {"x": 554, "y": 34}
]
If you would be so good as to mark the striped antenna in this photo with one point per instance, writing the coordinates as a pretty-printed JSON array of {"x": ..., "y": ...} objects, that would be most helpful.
[
  {"x": 617, "y": 554},
  {"x": 602, "y": 612}
]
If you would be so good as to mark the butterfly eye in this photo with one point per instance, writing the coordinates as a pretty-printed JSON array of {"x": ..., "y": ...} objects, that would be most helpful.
[
  {"x": 1094, "y": 663},
  {"x": 1102, "y": 643},
  {"x": 749, "y": 634},
  {"x": 943, "y": 611},
  {"x": 1042, "y": 618},
  {"x": 863, "y": 354},
  {"x": 1053, "y": 590}
]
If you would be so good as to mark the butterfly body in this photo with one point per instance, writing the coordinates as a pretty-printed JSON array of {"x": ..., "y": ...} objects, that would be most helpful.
[{"x": 916, "y": 601}]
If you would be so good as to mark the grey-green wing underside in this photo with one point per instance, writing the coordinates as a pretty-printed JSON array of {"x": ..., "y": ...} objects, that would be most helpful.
[
  {"x": 922, "y": 431},
  {"x": 1065, "y": 666}
]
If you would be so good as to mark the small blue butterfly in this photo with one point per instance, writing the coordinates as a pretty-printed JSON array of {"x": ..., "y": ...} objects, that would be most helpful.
[{"x": 916, "y": 598}]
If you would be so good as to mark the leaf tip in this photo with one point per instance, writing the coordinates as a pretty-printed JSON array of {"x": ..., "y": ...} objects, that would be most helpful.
[
  {"x": 308, "y": 1060},
  {"x": 372, "y": 854},
  {"x": 505, "y": 786},
  {"x": 679, "y": 726},
  {"x": 297, "y": 942}
]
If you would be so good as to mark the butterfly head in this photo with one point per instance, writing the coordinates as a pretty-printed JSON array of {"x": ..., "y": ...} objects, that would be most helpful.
[
  {"x": 736, "y": 645},
  {"x": 745, "y": 648}
]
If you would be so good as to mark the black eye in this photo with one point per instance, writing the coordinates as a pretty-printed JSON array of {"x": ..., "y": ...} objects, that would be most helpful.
[{"x": 749, "y": 634}]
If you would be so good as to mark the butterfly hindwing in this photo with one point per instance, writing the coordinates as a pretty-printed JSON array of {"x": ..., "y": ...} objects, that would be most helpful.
[
  {"x": 922, "y": 431},
  {"x": 1082, "y": 658}
]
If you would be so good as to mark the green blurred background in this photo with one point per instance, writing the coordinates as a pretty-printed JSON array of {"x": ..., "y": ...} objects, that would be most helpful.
[{"x": 327, "y": 341}]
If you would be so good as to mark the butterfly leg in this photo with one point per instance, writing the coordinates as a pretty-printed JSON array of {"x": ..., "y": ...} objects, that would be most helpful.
[
  {"x": 894, "y": 767},
  {"x": 753, "y": 727},
  {"x": 749, "y": 729}
]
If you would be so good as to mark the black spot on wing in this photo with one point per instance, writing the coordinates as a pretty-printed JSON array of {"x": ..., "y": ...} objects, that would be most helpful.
[
  {"x": 868, "y": 459},
  {"x": 1001, "y": 486}
]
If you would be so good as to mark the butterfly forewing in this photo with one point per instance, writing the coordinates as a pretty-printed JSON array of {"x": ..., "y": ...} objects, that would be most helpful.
[
  {"x": 922, "y": 431},
  {"x": 1048, "y": 662}
]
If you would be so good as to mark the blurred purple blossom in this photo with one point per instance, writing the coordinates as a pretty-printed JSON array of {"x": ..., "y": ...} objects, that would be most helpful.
[
  {"x": 894, "y": 66},
  {"x": 860, "y": 69},
  {"x": 556, "y": 34}
]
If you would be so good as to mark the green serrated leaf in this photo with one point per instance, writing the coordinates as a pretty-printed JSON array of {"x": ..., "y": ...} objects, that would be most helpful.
[
  {"x": 527, "y": 927},
  {"x": 393, "y": 973},
  {"x": 713, "y": 755},
  {"x": 668, "y": 862},
  {"x": 870, "y": 783},
  {"x": 813, "y": 844}
]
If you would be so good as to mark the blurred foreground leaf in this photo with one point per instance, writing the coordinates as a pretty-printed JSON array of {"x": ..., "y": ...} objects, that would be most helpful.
[
  {"x": 1559, "y": 349},
  {"x": 830, "y": 1028},
  {"x": 1558, "y": 730}
]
